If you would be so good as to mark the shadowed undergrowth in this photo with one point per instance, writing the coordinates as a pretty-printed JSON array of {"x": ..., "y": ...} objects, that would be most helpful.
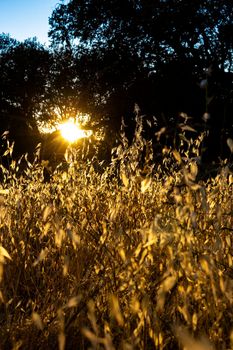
[{"x": 138, "y": 256}]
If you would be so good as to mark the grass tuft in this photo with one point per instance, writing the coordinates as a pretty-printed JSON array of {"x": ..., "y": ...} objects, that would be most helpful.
[{"x": 137, "y": 256}]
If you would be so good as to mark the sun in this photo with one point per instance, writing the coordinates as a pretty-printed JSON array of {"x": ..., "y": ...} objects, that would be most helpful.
[{"x": 72, "y": 132}]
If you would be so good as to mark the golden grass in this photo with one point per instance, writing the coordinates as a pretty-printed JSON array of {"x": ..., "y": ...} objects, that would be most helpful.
[{"x": 136, "y": 257}]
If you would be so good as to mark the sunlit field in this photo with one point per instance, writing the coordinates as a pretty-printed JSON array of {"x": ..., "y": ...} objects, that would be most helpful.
[{"x": 135, "y": 255}]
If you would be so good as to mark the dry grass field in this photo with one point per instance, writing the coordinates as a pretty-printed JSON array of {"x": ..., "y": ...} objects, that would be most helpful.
[{"x": 138, "y": 256}]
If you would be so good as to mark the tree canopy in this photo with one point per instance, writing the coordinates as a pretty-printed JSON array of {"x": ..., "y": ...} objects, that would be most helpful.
[
  {"x": 24, "y": 70},
  {"x": 167, "y": 57},
  {"x": 155, "y": 31},
  {"x": 118, "y": 46}
]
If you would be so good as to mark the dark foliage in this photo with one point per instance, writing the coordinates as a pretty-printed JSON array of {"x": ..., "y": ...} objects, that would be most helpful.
[
  {"x": 154, "y": 54},
  {"x": 166, "y": 57},
  {"x": 24, "y": 70}
]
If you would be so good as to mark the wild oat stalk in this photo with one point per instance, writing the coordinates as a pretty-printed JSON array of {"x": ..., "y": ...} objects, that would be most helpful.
[{"x": 137, "y": 256}]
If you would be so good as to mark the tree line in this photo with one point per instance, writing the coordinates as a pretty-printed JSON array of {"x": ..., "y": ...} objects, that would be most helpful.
[{"x": 170, "y": 59}]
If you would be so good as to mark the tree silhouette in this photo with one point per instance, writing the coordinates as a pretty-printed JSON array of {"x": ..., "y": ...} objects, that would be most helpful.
[
  {"x": 108, "y": 56},
  {"x": 24, "y": 70},
  {"x": 119, "y": 44}
]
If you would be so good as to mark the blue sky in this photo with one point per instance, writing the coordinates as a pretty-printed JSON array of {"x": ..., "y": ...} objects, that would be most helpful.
[{"x": 24, "y": 19}]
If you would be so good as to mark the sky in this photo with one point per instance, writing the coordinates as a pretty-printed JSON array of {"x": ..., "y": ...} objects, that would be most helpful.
[{"x": 24, "y": 19}]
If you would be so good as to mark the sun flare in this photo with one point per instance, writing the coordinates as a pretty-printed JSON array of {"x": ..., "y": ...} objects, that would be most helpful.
[{"x": 72, "y": 132}]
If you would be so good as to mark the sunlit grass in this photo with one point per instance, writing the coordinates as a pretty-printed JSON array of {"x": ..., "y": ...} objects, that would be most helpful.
[{"x": 137, "y": 256}]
